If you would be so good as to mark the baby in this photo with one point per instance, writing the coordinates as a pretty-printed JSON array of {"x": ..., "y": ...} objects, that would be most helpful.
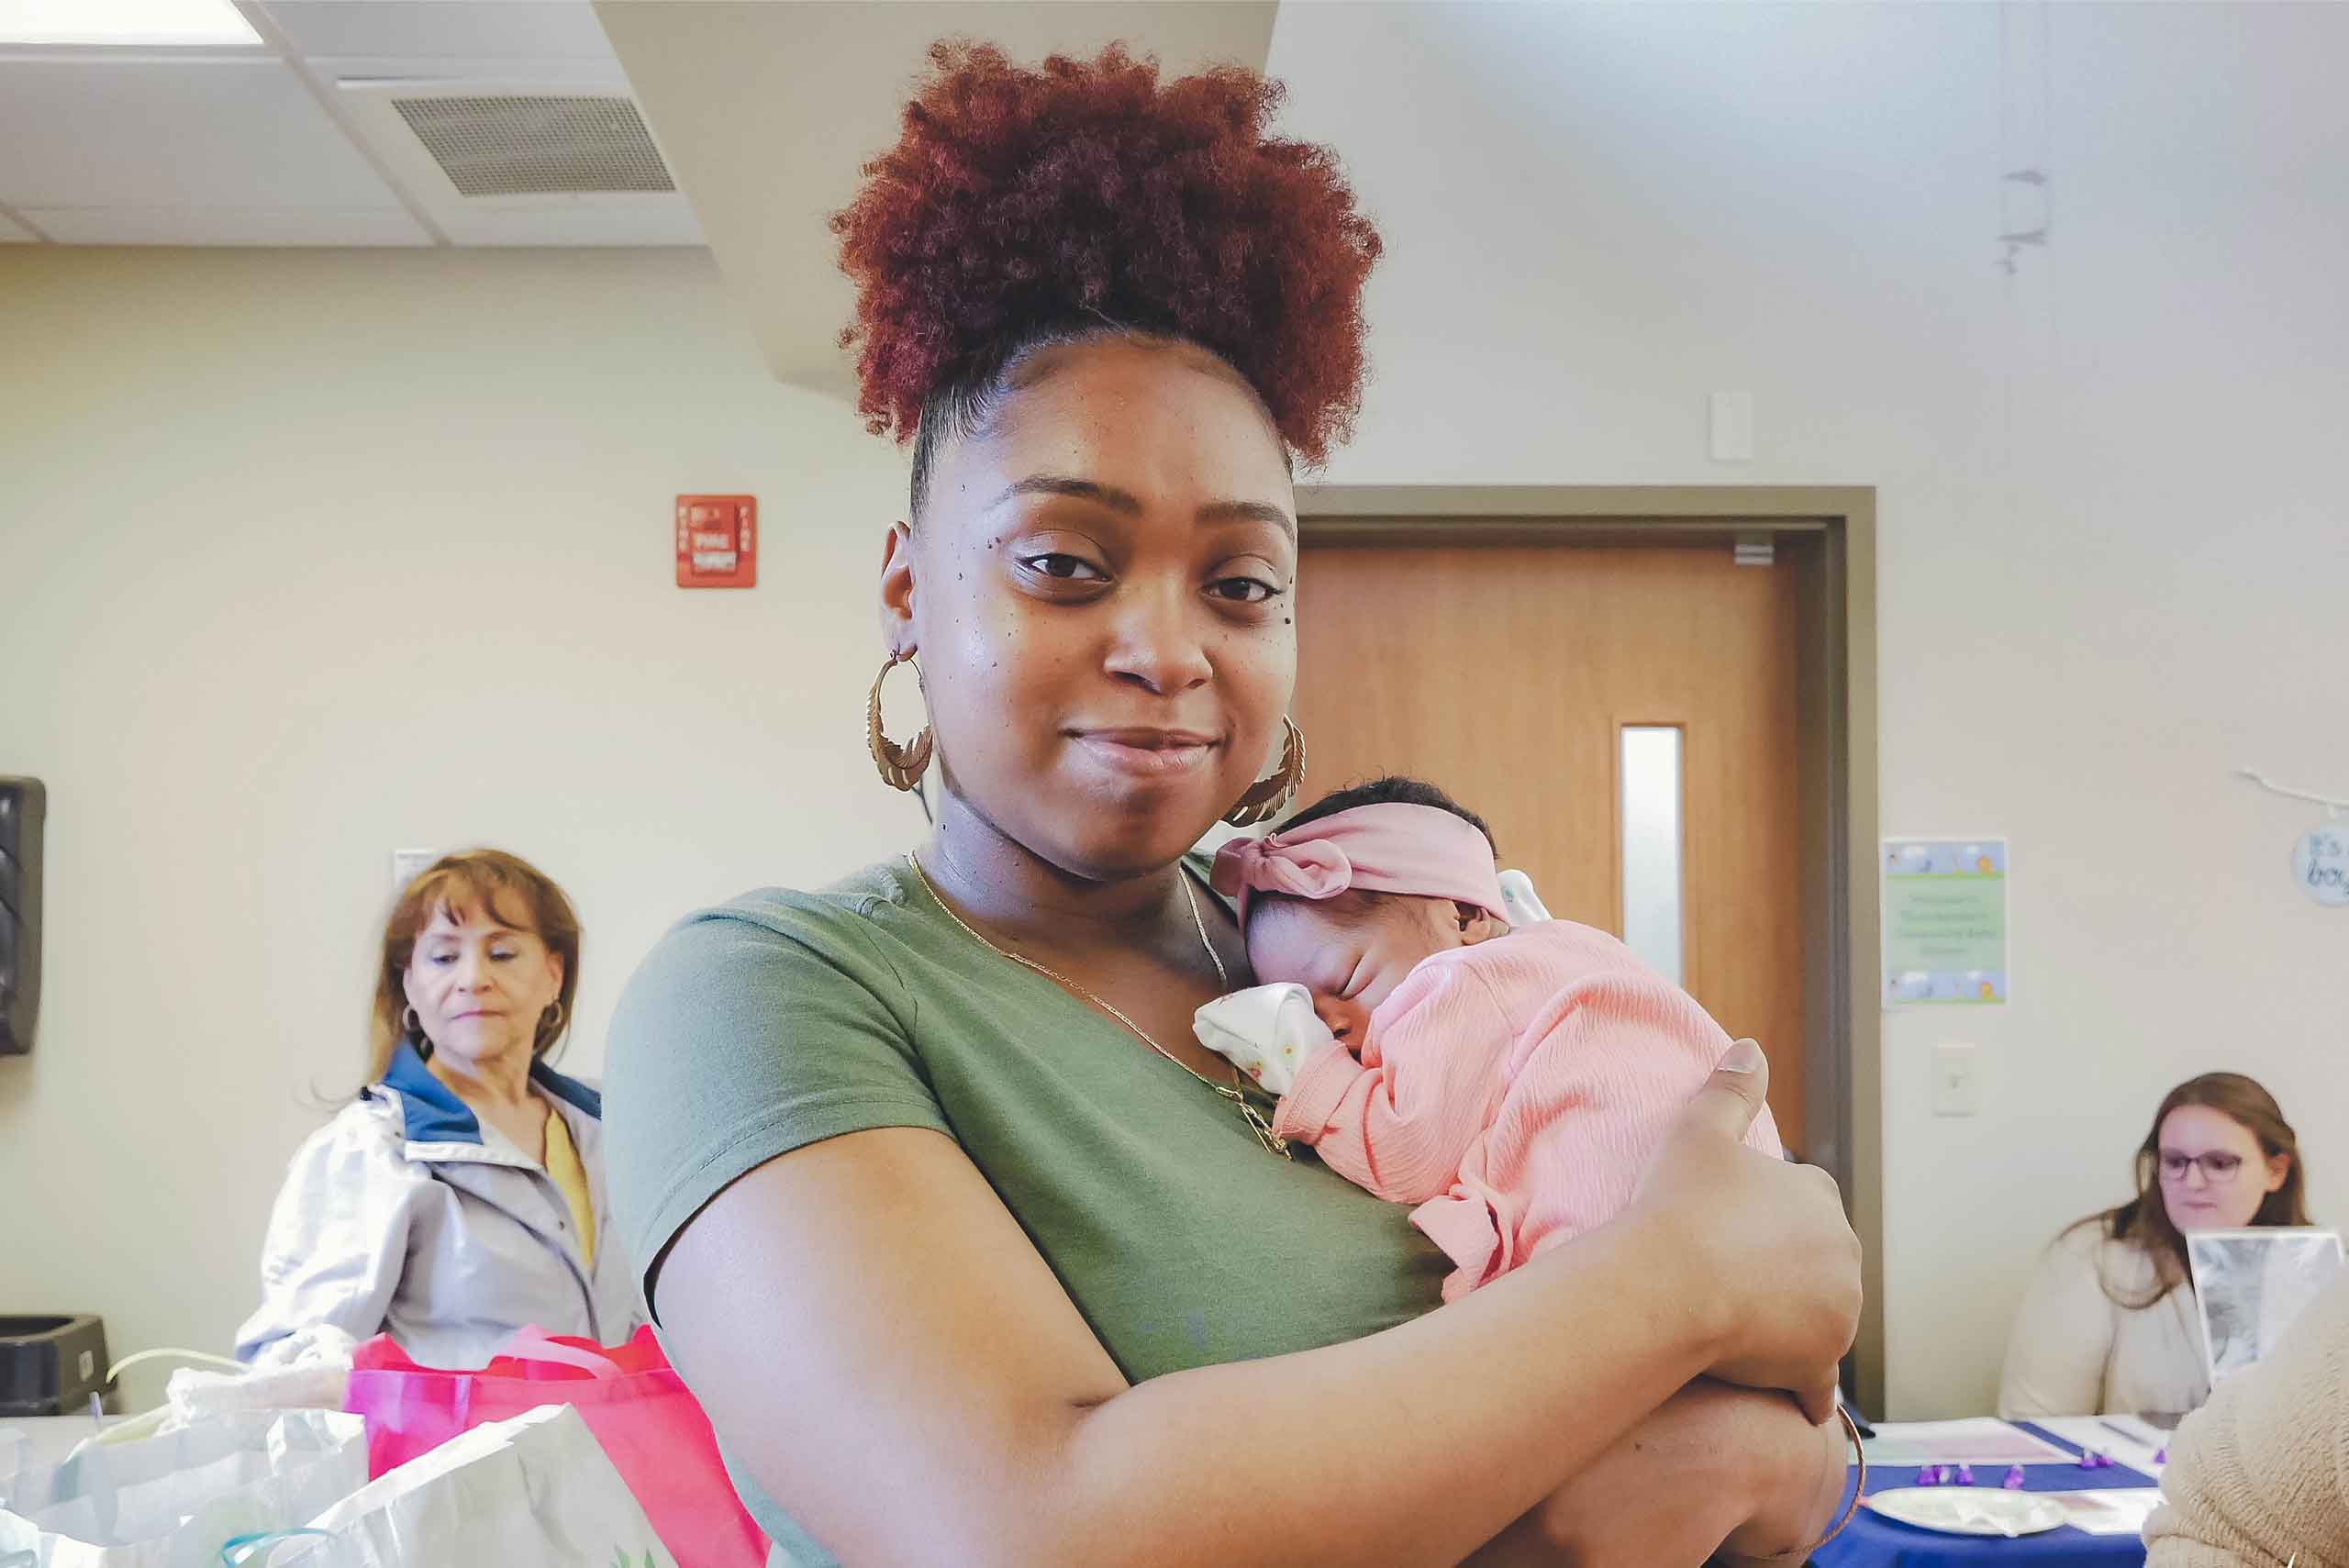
[{"x": 1509, "y": 1082}]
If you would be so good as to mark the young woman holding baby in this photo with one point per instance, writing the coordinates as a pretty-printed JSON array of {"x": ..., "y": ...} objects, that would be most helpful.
[{"x": 972, "y": 1252}]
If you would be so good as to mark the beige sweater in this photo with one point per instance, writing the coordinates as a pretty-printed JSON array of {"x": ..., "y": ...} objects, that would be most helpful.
[
  {"x": 2076, "y": 1352},
  {"x": 2259, "y": 1477}
]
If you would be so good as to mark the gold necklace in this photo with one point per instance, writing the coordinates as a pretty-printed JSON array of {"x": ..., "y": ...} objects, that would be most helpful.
[{"x": 1262, "y": 1129}]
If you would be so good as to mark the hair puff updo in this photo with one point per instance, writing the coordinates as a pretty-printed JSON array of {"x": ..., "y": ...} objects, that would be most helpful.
[{"x": 1025, "y": 206}]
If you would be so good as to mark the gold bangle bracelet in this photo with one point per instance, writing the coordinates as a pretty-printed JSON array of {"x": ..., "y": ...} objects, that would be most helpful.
[
  {"x": 1859, "y": 1483},
  {"x": 1850, "y": 1509}
]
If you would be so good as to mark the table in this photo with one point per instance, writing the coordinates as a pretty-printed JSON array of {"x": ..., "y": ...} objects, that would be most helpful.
[{"x": 1874, "y": 1541}]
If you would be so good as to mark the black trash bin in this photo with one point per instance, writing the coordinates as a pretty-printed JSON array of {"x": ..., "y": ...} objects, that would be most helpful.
[{"x": 51, "y": 1365}]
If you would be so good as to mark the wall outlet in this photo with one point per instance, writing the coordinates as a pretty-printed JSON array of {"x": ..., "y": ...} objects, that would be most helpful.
[{"x": 1957, "y": 1080}]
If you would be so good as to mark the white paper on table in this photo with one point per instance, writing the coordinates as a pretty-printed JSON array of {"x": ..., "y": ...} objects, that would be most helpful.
[
  {"x": 1980, "y": 1440},
  {"x": 2127, "y": 1440},
  {"x": 2121, "y": 1512}
]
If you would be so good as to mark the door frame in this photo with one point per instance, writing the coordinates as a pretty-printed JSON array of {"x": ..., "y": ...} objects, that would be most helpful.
[{"x": 1827, "y": 534}]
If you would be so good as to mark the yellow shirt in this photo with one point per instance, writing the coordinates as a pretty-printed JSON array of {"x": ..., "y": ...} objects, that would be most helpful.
[{"x": 570, "y": 1177}]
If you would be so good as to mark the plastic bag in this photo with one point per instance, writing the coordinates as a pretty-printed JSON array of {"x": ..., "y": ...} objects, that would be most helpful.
[
  {"x": 641, "y": 1411},
  {"x": 531, "y": 1492},
  {"x": 170, "y": 1501}
]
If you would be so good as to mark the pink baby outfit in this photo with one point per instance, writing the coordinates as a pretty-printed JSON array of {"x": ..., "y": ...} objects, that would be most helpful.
[{"x": 1513, "y": 1090}]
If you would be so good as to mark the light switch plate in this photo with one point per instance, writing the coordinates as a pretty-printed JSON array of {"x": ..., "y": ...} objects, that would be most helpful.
[{"x": 1957, "y": 1080}]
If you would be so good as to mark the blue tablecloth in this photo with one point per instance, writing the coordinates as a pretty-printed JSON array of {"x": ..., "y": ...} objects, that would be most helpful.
[{"x": 1874, "y": 1541}]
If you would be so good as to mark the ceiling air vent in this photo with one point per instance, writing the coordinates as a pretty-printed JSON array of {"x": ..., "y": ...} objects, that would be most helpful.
[
  {"x": 538, "y": 145},
  {"x": 499, "y": 160}
]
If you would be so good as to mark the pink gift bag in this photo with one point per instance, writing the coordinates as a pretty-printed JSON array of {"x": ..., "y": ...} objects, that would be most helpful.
[{"x": 641, "y": 1411}]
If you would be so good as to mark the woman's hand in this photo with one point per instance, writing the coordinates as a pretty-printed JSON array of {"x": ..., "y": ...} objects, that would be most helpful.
[
  {"x": 1715, "y": 1470},
  {"x": 1802, "y": 1475},
  {"x": 1778, "y": 1265}
]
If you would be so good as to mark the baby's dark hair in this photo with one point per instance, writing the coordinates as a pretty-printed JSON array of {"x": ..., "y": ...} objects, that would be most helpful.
[
  {"x": 1392, "y": 790},
  {"x": 1354, "y": 904}
]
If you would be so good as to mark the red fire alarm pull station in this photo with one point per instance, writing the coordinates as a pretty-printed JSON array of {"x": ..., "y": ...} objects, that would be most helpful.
[{"x": 717, "y": 541}]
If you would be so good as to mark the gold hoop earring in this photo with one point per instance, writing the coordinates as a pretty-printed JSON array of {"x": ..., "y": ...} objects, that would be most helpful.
[
  {"x": 901, "y": 766},
  {"x": 550, "y": 1028},
  {"x": 1267, "y": 797}
]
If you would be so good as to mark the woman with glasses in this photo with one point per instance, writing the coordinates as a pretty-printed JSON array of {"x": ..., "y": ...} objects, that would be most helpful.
[{"x": 2108, "y": 1324}]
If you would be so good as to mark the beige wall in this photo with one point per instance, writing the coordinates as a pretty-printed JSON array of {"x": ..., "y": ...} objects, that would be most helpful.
[
  {"x": 305, "y": 556},
  {"x": 2113, "y": 537}
]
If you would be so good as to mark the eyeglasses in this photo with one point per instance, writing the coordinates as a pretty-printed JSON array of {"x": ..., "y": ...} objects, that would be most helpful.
[{"x": 2217, "y": 1166}]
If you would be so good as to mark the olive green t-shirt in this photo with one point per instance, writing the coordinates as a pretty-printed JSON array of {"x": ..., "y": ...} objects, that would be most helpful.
[{"x": 784, "y": 1018}]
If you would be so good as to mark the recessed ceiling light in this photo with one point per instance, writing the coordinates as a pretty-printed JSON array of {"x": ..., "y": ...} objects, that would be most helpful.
[{"x": 147, "y": 23}]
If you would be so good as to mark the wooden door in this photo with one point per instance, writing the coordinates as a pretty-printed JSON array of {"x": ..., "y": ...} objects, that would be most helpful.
[{"x": 1505, "y": 673}]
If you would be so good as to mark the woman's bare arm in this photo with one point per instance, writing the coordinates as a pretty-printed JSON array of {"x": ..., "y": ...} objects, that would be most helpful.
[
  {"x": 879, "y": 1343},
  {"x": 1732, "y": 1470}
]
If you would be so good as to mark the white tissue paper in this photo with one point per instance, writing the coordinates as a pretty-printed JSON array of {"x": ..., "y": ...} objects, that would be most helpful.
[{"x": 309, "y": 1370}]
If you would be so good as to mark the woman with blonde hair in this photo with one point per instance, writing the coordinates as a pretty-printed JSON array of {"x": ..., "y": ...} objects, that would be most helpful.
[{"x": 461, "y": 1195}]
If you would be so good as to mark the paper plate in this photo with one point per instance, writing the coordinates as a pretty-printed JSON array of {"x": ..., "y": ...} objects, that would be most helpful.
[{"x": 1970, "y": 1510}]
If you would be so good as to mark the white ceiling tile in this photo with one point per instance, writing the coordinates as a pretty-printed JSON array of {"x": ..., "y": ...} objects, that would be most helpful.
[
  {"x": 545, "y": 71},
  {"x": 16, "y": 234},
  {"x": 227, "y": 226},
  {"x": 104, "y": 133},
  {"x": 425, "y": 29}
]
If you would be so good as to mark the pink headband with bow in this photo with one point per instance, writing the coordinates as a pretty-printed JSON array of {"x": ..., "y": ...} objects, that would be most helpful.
[{"x": 1386, "y": 848}]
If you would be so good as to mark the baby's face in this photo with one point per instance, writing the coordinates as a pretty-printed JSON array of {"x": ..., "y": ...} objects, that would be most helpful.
[{"x": 1354, "y": 951}]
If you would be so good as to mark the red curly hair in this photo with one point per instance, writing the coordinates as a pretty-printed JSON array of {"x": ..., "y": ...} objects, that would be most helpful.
[{"x": 1023, "y": 207}]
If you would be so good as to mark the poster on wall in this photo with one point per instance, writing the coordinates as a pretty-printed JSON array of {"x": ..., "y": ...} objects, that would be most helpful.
[
  {"x": 1945, "y": 922},
  {"x": 2321, "y": 863}
]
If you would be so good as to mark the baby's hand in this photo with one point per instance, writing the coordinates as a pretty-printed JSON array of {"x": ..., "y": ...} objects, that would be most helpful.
[{"x": 1268, "y": 1032}]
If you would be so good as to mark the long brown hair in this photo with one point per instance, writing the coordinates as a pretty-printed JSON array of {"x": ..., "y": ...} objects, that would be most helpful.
[
  {"x": 471, "y": 879},
  {"x": 2144, "y": 1220}
]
